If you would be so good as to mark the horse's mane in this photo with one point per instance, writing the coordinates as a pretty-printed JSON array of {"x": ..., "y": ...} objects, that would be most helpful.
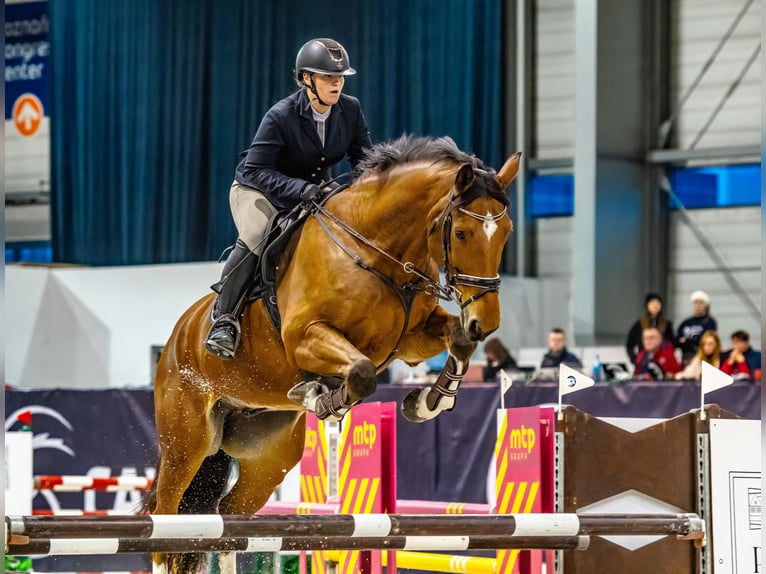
[{"x": 408, "y": 148}]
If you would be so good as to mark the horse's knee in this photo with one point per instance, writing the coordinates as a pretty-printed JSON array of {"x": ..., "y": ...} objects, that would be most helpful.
[
  {"x": 361, "y": 380},
  {"x": 460, "y": 345}
]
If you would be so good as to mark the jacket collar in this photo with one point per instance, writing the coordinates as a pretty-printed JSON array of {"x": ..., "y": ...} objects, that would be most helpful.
[{"x": 309, "y": 125}]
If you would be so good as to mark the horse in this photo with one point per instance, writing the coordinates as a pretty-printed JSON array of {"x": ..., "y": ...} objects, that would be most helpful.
[{"x": 357, "y": 287}]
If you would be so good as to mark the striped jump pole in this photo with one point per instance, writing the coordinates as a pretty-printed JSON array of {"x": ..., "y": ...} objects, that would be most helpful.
[
  {"x": 352, "y": 525},
  {"x": 70, "y": 483},
  {"x": 430, "y": 562},
  {"x": 94, "y": 546}
]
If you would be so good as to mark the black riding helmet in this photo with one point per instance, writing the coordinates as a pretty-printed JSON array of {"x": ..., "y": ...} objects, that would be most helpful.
[{"x": 322, "y": 56}]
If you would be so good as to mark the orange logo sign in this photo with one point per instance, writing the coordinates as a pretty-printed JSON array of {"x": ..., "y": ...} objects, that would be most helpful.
[{"x": 27, "y": 114}]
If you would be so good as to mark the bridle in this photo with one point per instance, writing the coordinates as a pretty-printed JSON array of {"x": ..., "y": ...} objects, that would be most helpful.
[
  {"x": 452, "y": 275},
  {"x": 448, "y": 291}
]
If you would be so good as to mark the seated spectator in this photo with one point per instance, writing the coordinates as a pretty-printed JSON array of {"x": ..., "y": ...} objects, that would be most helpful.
[
  {"x": 498, "y": 357},
  {"x": 709, "y": 350},
  {"x": 657, "y": 360},
  {"x": 653, "y": 316},
  {"x": 557, "y": 351},
  {"x": 690, "y": 330},
  {"x": 742, "y": 362}
]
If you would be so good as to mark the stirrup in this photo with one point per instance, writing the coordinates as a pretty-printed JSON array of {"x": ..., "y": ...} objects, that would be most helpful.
[
  {"x": 305, "y": 394},
  {"x": 214, "y": 346}
]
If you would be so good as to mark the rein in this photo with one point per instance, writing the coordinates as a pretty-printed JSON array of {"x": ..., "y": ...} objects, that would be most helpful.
[
  {"x": 446, "y": 292},
  {"x": 432, "y": 287}
]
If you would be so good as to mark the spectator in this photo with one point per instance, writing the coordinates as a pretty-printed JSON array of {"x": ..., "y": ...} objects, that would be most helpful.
[
  {"x": 557, "y": 351},
  {"x": 498, "y": 357},
  {"x": 653, "y": 316},
  {"x": 741, "y": 362},
  {"x": 690, "y": 330},
  {"x": 709, "y": 350},
  {"x": 657, "y": 360}
]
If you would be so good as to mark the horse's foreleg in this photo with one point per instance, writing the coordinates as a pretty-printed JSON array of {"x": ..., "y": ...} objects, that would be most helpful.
[
  {"x": 442, "y": 331},
  {"x": 325, "y": 351}
]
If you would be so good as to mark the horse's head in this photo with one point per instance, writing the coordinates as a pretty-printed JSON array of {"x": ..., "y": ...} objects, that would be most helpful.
[{"x": 468, "y": 237}]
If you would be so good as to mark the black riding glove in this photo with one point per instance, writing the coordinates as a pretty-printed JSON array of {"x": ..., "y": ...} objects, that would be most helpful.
[{"x": 311, "y": 192}]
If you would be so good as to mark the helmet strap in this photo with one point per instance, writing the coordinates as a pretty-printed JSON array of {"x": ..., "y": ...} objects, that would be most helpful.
[{"x": 313, "y": 88}]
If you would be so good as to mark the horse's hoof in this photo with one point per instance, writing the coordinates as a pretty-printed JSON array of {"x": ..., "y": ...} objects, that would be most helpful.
[
  {"x": 412, "y": 406},
  {"x": 305, "y": 394}
]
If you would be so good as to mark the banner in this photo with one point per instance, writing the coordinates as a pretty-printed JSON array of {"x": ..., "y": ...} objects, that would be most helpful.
[
  {"x": 89, "y": 433},
  {"x": 27, "y": 96},
  {"x": 518, "y": 455}
]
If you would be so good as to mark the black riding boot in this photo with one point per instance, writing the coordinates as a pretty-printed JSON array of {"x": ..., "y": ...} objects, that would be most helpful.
[{"x": 224, "y": 335}]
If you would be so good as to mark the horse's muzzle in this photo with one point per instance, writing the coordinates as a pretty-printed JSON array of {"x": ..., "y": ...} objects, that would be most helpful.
[{"x": 475, "y": 332}]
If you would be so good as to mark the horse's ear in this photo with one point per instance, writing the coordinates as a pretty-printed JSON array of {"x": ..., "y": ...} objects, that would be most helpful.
[
  {"x": 464, "y": 178},
  {"x": 508, "y": 172}
]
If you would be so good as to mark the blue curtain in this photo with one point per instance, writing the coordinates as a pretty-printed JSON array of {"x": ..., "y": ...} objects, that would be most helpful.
[{"x": 153, "y": 100}]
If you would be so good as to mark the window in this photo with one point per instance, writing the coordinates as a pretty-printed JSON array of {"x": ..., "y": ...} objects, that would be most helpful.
[
  {"x": 723, "y": 186},
  {"x": 28, "y": 252},
  {"x": 552, "y": 195}
]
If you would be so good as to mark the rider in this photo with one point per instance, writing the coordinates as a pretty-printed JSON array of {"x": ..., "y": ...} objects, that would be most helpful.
[{"x": 299, "y": 139}]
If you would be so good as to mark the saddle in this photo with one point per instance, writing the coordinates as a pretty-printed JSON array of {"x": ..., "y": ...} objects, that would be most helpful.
[{"x": 281, "y": 228}]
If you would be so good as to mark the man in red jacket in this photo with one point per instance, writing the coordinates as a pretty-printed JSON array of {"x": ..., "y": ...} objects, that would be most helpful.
[{"x": 657, "y": 360}]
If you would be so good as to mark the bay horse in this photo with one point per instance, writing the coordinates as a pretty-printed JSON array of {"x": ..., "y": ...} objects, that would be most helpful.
[{"x": 357, "y": 287}]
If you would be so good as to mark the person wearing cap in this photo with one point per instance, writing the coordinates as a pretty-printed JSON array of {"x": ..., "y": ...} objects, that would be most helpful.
[
  {"x": 288, "y": 162},
  {"x": 690, "y": 330},
  {"x": 653, "y": 316}
]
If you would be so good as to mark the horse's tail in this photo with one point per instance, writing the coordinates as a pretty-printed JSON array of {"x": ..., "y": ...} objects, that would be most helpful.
[
  {"x": 201, "y": 497},
  {"x": 149, "y": 499}
]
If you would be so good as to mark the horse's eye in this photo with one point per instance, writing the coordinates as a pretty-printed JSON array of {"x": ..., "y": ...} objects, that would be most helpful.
[{"x": 459, "y": 234}]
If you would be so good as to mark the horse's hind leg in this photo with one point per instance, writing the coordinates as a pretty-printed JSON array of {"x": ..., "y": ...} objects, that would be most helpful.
[
  {"x": 267, "y": 445},
  {"x": 189, "y": 429},
  {"x": 322, "y": 349},
  {"x": 185, "y": 442}
]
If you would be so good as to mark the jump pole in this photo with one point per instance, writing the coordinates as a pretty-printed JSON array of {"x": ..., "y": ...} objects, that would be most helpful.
[
  {"x": 182, "y": 526},
  {"x": 100, "y": 546},
  {"x": 72, "y": 483}
]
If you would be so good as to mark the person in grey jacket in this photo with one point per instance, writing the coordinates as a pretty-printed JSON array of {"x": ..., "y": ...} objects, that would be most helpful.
[{"x": 299, "y": 139}]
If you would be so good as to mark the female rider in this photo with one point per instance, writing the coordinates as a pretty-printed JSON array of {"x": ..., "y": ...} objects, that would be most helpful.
[{"x": 299, "y": 139}]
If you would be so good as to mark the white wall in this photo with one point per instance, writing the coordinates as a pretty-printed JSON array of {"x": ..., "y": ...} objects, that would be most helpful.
[
  {"x": 78, "y": 327},
  {"x": 88, "y": 328}
]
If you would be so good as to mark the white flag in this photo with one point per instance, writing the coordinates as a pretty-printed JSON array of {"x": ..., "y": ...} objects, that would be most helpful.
[
  {"x": 713, "y": 379},
  {"x": 571, "y": 381},
  {"x": 505, "y": 381}
]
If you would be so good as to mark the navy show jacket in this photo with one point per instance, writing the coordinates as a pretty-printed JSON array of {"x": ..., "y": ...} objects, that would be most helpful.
[{"x": 286, "y": 152}]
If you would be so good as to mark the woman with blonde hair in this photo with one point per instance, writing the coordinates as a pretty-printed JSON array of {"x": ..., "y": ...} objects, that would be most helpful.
[{"x": 709, "y": 351}]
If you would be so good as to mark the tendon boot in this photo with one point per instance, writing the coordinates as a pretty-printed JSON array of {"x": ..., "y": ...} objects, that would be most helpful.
[{"x": 224, "y": 335}]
